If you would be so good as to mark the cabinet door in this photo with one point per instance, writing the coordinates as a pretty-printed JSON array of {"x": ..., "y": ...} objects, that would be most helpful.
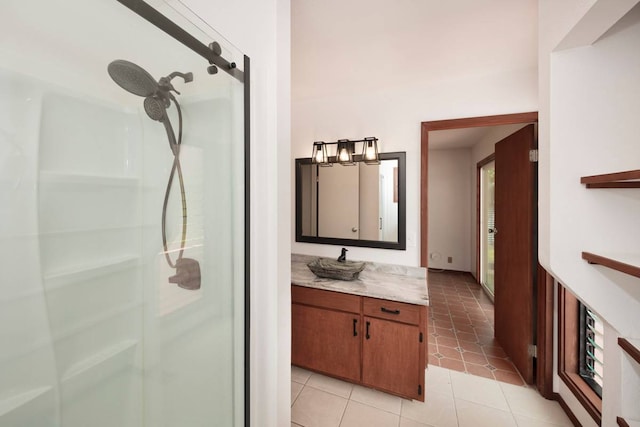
[
  {"x": 391, "y": 357},
  {"x": 326, "y": 340}
]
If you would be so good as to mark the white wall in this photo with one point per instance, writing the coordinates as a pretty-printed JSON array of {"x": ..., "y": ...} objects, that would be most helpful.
[
  {"x": 394, "y": 117},
  {"x": 449, "y": 208},
  {"x": 590, "y": 104},
  {"x": 261, "y": 30}
]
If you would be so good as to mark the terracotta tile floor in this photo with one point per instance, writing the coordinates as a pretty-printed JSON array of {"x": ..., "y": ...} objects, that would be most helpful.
[{"x": 461, "y": 329}]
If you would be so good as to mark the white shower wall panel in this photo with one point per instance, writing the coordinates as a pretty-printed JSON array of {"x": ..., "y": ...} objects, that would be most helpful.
[
  {"x": 28, "y": 386},
  {"x": 87, "y": 137},
  {"x": 89, "y": 224},
  {"x": 74, "y": 203}
]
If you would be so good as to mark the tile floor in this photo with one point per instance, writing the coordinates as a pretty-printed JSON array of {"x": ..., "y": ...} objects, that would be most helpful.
[
  {"x": 452, "y": 399},
  {"x": 461, "y": 329}
]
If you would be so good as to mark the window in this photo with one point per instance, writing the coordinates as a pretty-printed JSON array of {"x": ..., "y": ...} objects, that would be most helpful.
[
  {"x": 580, "y": 361},
  {"x": 591, "y": 349}
]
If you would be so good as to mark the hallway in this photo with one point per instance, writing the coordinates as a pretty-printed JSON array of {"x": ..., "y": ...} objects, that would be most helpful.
[{"x": 461, "y": 329}]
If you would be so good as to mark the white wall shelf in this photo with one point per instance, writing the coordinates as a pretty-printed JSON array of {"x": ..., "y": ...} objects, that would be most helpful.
[
  {"x": 97, "y": 360},
  {"x": 20, "y": 400},
  {"x": 73, "y": 179},
  {"x": 61, "y": 278},
  {"x": 96, "y": 320}
]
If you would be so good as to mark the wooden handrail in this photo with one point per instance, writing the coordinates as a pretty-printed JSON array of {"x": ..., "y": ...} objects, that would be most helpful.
[{"x": 632, "y": 270}]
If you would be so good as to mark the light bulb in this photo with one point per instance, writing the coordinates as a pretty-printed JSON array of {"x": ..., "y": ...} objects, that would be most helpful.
[
  {"x": 319, "y": 158},
  {"x": 344, "y": 155},
  {"x": 370, "y": 153}
]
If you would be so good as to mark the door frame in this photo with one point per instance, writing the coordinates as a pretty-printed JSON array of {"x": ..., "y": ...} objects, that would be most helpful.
[{"x": 544, "y": 312}]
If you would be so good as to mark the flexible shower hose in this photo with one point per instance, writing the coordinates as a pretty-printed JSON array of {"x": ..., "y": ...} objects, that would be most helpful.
[{"x": 175, "y": 148}]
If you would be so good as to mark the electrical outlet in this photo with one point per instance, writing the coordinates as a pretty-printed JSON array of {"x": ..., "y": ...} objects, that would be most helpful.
[{"x": 449, "y": 260}]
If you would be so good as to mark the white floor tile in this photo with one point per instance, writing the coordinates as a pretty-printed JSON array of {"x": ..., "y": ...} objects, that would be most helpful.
[
  {"x": 437, "y": 410},
  {"x": 406, "y": 422},
  {"x": 360, "y": 415},
  {"x": 478, "y": 390},
  {"x": 330, "y": 385},
  {"x": 299, "y": 375},
  {"x": 377, "y": 399},
  {"x": 437, "y": 379},
  {"x": 528, "y": 402},
  {"x": 316, "y": 408},
  {"x": 523, "y": 421},
  {"x": 453, "y": 399},
  {"x": 296, "y": 388},
  {"x": 474, "y": 415}
]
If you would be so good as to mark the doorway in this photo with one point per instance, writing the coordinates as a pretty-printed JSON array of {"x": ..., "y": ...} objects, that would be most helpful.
[
  {"x": 486, "y": 179},
  {"x": 510, "y": 119}
]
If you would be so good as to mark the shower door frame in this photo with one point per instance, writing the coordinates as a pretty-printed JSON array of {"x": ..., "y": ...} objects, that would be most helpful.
[{"x": 163, "y": 23}]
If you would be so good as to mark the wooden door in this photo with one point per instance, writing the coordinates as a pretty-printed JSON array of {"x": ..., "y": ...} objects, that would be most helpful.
[
  {"x": 515, "y": 250},
  {"x": 338, "y": 202},
  {"x": 326, "y": 340},
  {"x": 391, "y": 357}
]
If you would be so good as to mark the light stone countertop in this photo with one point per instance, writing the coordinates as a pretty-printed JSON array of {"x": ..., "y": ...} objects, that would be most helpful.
[{"x": 385, "y": 281}]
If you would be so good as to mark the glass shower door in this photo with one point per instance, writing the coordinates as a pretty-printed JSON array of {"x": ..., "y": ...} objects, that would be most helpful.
[
  {"x": 121, "y": 220},
  {"x": 194, "y": 338}
]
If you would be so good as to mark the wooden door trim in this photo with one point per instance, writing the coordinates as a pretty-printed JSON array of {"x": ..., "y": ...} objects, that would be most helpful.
[
  {"x": 490, "y": 158},
  {"x": 497, "y": 120},
  {"x": 544, "y": 334},
  {"x": 426, "y": 127}
]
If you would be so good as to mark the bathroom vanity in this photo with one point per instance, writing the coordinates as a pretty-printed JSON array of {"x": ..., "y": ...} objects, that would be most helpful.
[{"x": 370, "y": 331}]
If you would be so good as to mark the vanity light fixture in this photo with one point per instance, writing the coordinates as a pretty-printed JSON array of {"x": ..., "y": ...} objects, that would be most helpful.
[
  {"x": 345, "y": 152},
  {"x": 320, "y": 154},
  {"x": 370, "y": 151}
]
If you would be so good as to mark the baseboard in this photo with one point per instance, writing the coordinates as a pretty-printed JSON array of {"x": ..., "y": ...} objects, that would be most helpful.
[
  {"x": 566, "y": 410},
  {"x": 444, "y": 270}
]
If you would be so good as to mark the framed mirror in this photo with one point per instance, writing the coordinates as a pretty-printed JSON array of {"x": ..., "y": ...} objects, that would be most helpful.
[{"x": 359, "y": 205}]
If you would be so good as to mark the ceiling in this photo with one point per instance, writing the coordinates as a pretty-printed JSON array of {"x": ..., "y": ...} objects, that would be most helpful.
[{"x": 344, "y": 47}]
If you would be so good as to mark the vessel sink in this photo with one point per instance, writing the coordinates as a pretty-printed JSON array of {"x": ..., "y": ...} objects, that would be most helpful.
[{"x": 333, "y": 269}]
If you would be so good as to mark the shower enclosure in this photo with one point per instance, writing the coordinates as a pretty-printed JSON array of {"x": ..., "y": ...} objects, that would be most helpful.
[{"x": 123, "y": 218}]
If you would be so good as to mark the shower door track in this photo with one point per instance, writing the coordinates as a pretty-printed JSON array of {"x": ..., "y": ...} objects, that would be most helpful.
[{"x": 156, "y": 18}]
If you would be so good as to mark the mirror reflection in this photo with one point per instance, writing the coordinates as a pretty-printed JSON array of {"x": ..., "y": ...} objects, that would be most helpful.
[{"x": 358, "y": 205}]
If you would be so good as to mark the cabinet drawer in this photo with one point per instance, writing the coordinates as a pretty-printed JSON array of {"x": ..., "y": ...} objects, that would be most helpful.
[
  {"x": 392, "y": 310},
  {"x": 325, "y": 299}
]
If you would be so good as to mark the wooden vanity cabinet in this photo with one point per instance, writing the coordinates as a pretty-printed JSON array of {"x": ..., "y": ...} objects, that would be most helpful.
[
  {"x": 393, "y": 352},
  {"x": 325, "y": 332},
  {"x": 373, "y": 342}
]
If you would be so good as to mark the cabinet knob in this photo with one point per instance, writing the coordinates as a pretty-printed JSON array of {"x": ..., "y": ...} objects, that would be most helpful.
[{"x": 354, "y": 229}]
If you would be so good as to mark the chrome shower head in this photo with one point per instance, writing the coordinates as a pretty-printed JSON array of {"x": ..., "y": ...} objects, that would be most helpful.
[{"x": 132, "y": 78}]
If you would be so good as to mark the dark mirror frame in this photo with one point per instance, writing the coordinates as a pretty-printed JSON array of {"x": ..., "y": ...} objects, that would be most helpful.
[{"x": 401, "y": 244}]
